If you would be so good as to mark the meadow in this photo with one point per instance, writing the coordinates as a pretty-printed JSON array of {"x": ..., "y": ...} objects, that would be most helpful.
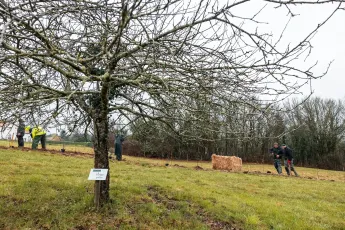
[{"x": 41, "y": 190}]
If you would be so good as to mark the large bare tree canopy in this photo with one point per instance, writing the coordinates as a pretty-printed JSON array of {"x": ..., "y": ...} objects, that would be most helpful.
[{"x": 79, "y": 61}]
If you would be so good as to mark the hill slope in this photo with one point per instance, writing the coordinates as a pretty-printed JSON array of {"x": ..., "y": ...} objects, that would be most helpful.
[{"x": 42, "y": 190}]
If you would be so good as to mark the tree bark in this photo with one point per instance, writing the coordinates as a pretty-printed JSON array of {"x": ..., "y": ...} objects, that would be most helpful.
[
  {"x": 101, "y": 156},
  {"x": 101, "y": 131}
]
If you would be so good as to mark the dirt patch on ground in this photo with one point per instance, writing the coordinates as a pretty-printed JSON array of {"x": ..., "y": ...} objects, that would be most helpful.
[
  {"x": 81, "y": 227},
  {"x": 12, "y": 200},
  {"x": 66, "y": 153},
  {"x": 179, "y": 166},
  {"x": 158, "y": 196},
  {"x": 216, "y": 224},
  {"x": 198, "y": 168},
  {"x": 269, "y": 173}
]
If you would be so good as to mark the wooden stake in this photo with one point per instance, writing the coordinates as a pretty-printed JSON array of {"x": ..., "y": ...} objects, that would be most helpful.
[
  {"x": 97, "y": 193},
  {"x": 263, "y": 168}
]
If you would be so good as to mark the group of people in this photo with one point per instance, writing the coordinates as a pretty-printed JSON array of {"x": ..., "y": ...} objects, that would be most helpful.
[
  {"x": 283, "y": 152},
  {"x": 37, "y": 133}
]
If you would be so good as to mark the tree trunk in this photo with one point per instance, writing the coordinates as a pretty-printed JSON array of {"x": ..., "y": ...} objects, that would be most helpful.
[
  {"x": 101, "y": 135},
  {"x": 101, "y": 157}
]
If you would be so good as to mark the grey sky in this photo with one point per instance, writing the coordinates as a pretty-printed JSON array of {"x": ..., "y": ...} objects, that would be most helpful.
[
  {"x": 330, "y": 45},
  {"x": 329, "y": 42}
]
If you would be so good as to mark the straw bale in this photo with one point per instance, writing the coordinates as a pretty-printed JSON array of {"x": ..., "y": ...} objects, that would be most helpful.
[{"x": 230, "y": 163}]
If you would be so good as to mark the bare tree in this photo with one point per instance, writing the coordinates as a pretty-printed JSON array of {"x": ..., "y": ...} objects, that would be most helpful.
[
  {"x": 319, "y": 142},
  {"x": 84, "y": 61}
]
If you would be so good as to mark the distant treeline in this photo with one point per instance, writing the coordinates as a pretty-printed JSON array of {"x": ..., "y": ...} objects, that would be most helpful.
[{"x": 314, "y": 129}]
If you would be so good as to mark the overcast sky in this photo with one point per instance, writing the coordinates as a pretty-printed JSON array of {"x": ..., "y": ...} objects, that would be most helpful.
[
  {"x": 329, "y": 42},
  {"x": 330, "y": 45}
]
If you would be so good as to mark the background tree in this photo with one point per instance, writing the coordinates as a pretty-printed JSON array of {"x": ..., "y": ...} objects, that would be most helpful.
[
  {"x": 82, "y": 62},
  {"x": 319, "y": 138},
  {"x": 314, "y": 129}
]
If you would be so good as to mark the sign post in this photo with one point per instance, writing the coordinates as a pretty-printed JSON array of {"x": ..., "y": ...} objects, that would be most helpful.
[{"x": 98, "y": 175}]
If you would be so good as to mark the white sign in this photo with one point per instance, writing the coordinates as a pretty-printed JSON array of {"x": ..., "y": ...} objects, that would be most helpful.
[{"x": 98, "y": 174}]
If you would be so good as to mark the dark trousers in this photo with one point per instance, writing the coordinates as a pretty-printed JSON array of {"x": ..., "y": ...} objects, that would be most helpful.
[
  {"x": 291, "y": 167},
  {"x": 278, "y": 165},
  {"x": 37, "y": 139},
  {"x": 118, "y": 152},
  {"x": 20, "y": 137}
]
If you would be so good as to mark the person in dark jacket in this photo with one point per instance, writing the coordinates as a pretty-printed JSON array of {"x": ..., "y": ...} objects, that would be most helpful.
[
  {"x": 288, "y": 160},
  {"x": 277, "y": 153},
  {"x": 118, "y": 146},
  {"x": 20, "y": 133}
]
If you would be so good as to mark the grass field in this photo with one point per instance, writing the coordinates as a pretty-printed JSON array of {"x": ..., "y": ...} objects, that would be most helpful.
[
  {"x": 47, "y": 191},
  {"x": 57, "y": 147},
  {"x": 310, "y": 173}
]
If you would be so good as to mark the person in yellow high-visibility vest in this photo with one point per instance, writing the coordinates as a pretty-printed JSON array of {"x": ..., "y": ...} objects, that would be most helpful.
[{"x": 37, "y": 134}]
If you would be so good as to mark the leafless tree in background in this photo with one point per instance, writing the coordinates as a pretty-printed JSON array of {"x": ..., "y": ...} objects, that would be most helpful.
[
  {"x": 82, "y": 61},
  {"x": 320, "y": 141}
]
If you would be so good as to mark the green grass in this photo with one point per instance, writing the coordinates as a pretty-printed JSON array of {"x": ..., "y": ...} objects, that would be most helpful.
[
  {"x": 263, "y": 168},
  {"x": 311, "y": 173},
  {"x": 52, "y": 146},
  {"x": 45, "y": 191}
]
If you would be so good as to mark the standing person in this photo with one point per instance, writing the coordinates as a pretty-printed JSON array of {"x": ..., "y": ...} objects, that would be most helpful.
[
  {"x": 38, "y": 134},
  {"x": 20, "y": 133},
  {"x": 277, "y": 153},
  {"x": 288, "y": 160},
  {"x": 118, "y": 146}
]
